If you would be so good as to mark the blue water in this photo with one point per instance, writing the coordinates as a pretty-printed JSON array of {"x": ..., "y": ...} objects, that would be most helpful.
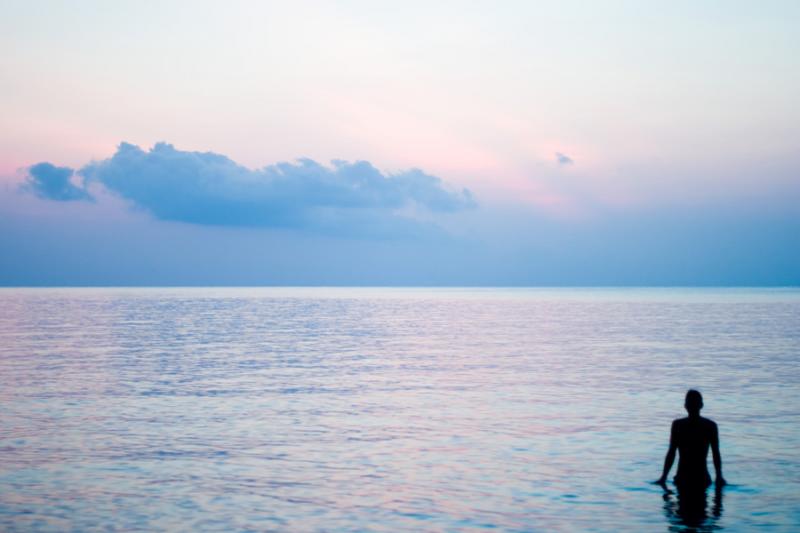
[{"x": 390, "y": 409}]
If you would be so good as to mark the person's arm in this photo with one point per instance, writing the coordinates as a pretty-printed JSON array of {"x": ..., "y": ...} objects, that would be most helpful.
[
  {"x": 670, "y": 458},
  {"x": 717, "y": 458}
]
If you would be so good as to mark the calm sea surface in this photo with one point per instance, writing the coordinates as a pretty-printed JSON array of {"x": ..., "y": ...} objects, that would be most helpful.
[{"x": 391, "y": 409}]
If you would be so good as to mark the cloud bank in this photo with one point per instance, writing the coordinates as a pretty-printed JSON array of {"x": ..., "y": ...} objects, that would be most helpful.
[
  {"x": 210, "y": 189},
  {"x": 53, "y": 183}
]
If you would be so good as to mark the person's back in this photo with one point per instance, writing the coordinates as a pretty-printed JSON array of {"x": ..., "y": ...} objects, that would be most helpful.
[{"x": 692, "y": 437}]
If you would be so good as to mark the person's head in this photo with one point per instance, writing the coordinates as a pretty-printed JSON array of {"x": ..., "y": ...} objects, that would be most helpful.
[{"x": 693, "y": 402}]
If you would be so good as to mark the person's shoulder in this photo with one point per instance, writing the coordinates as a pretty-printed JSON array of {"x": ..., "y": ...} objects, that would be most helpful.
[
  {"x": 678, "y": 422},
  {"x": 710, "y": 423}
]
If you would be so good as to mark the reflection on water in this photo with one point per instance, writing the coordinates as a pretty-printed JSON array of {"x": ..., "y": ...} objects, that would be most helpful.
[
  {"x": 688, "y": 510},
  {"x": 390, "y": 409}
]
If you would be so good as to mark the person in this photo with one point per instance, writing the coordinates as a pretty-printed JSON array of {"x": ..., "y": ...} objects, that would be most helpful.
[{"x": 691, "y": 437}]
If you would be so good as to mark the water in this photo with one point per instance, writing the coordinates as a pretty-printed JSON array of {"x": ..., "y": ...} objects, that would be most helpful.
[{"x": 390, "y": 409}]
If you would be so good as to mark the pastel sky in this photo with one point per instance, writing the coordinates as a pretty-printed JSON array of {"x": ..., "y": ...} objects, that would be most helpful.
[{"x": 400, "y": 143}]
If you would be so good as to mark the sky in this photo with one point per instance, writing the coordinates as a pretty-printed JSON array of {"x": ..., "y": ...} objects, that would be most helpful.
[{"x": 400, "y": 143}]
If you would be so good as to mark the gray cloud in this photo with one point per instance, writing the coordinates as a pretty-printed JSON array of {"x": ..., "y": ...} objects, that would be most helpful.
[
  {"x": 53, "y": 183},
  {"x": 564, "y": 159},
  {"x": 211, "y": 189}
]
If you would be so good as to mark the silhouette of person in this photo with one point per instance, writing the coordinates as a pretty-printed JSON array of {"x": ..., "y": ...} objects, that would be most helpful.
[{"x": 691, "y": 437}]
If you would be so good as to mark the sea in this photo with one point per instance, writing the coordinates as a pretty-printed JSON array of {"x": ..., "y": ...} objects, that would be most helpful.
[{"x": 392, "y": 409}]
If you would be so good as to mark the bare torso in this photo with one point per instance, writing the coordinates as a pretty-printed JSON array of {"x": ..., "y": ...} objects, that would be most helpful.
[{"x": 693, "y": 436}]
